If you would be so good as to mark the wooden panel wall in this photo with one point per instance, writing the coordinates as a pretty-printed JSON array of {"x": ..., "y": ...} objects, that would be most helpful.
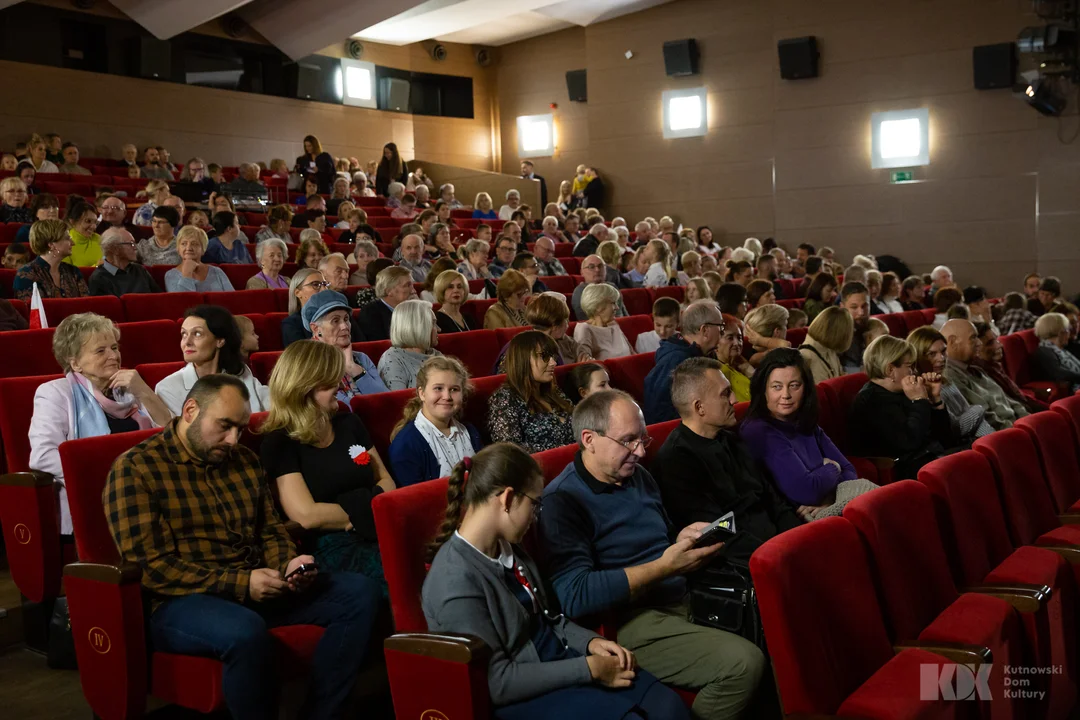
[{"x": 792, "y": 159}]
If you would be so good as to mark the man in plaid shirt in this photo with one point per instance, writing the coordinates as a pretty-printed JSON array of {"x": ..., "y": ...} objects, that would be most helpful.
[{"x": 191, "y": 507}]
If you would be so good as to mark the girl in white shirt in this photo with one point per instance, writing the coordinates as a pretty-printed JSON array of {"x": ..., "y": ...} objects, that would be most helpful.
[{"x": 659, "y": 272}]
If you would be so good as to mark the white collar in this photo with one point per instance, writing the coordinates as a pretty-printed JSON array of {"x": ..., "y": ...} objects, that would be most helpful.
[
  {"x": 425, "y": 424},
  {"x": 506, "y": 553}
]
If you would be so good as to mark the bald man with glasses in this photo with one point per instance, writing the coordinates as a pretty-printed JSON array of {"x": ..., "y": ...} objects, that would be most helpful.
[{"x": 113, "y": 214}]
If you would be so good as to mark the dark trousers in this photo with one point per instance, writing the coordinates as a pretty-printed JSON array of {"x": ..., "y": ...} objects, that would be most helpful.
[{"x": 346, "y": 604}]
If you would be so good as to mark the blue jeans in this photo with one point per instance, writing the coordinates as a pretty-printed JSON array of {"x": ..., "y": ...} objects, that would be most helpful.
[{"x": 346, "y": 604}]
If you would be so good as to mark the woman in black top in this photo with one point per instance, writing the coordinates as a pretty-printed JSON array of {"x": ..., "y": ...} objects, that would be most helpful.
[
  {"x": 898, "y": 414},
  {"x": 315, "y": 162},
  {"x": 391, "y": 169},
  {"x": 326, "y": 470},
  {"x": 451, "y": 291}
]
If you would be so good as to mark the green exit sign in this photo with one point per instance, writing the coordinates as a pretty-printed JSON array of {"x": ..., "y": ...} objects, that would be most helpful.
[{"x": 899, "y": 176}]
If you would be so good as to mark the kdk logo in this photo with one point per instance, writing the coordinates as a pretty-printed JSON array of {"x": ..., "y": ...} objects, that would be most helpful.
[{"x": 954, "y": 682}]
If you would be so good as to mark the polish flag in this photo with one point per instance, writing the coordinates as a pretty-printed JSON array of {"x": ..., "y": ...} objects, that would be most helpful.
[{"x": 37, "y": 311}]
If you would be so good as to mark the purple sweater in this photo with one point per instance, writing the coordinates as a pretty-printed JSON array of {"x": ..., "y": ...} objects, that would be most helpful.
[{"x": 796, "y": 461}]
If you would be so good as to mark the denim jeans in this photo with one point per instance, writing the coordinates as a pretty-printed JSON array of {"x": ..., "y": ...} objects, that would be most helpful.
[{"x": 346, "y": 604}]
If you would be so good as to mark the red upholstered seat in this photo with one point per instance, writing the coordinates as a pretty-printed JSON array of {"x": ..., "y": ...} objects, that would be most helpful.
[
  {"x": 106, "y": 605},
  {"x": 795, "y": 336},
  {"x": 152, "y": 341},
  {"x": 554, "y": 461},
  {"x": 28, "y": 352},
  {"x": 373, "y": 349},
  {"x": 628, "y": 373},
  {"x": 914, "y": 319},
  {"x": 634, "y": 325},
  {"x": 159, "y": 306},
  {"x": 153, "y": 373},
  {"x": 476, "y": 409},
  {"x": 638, "y": 301},
  {"x": 1053, "y": 438},
  {"x": 830, "y": 651},
  {"x": 1069, "y": 408},
  {"x": 241, "y": 301},
  {"x": 477, "y": 349},
  {"x": 571, "y": 265},
  {"x": 56, "y": 309},
  {"x": 897, "y": 326},
  {"x": 273, "y": 331},
  {"x": 559, "y": 283},
  {"x": 671, "y": 291},
  {"x": 919, "y": 596},
  {"x": 474, "y": 310},
  {"x": 505, "y": 335},
  {"x": 262, "y": 364},
  {"x": 380, "y": 413}
]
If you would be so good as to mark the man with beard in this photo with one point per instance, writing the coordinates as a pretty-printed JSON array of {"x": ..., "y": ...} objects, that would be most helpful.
[
  {"x": 855, "y": 298},
  {"x": 191, "y": 508}
]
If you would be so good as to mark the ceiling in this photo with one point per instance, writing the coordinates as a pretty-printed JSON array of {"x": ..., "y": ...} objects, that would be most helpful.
[{"x": 302, "y": 27}]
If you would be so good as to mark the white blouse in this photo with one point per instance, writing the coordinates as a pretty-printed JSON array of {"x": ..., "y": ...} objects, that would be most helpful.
[{"x": 174, "y": 389}]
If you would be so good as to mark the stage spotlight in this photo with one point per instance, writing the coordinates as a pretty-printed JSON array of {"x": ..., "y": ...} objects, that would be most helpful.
[{"x": 1043, "y": 98}]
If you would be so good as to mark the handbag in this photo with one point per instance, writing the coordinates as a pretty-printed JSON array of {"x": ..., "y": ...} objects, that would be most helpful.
[
  {"x": 61, "y": 651},
  {"x": 723, "y": 597}
]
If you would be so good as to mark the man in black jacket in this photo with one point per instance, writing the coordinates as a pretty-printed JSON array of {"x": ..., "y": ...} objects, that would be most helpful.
[
  {"x": 529, "y": 173},
  {"x": 393, "y": 286},
  {"x": 704, "y": 471}
]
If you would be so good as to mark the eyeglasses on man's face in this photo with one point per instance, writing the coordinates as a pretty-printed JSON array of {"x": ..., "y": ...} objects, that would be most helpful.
[{"x": 633, "y": 444}]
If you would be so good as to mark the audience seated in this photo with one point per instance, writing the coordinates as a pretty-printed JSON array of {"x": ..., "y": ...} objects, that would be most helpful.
[
  {"x": 438, "y": 267},
  {"x": 989, "y": 357},
  {"x": 51, "y": 242},
  {"x": 431, "y": 438},
  {"x": 364, "y": 253},
  {"x": 944, "y": 300},
  {"x": 119, "y": 274},
  {"x": 393, "y": 286},
  {"x": 612, "y": 553},
  {"x": 413, "y": 337},
  {"x": 660, "y": 272},
  {"x": 160, "y": 248},
  {"x": 600, "y": 334},
  {"x": 270, "y": 256},
  {"x": 304, "y": 284},
  {"x": 512, "y": 293},
  {"x": 278, "y": 222},
  {"x": 1052, "y": 362},
  {"x": 820, "y": 294},
  {"x": 765, "y": 328},
  {"x": 328, "y": 316},
  {"x": 82, "y": 217},
  {"x": 506, "y": 249},
  {"x": 731, "y": 297},
  {"x": 529, "y": 409},
  {"x": 977, "y": 387},
  {"x": 211, "y": 343},
  {"x": 43, "y": 206},
  {"x": 855, "y": 298},
  {"x": 733, "y": 365},
  {"x": 153, "y": 167},
  {"x": 696, "y": 289},
  {"x": 95, "y": 397},
  {"x": 15, "y": 195},
  {"x": 482, "y": 583},
  {"x": 474, "y": 266},
  {"x": 585, "y": 379},
  {"x": 898, "y": 414},
  {"x": 193, "y": 275},
  {"x": 666, "y": 312},
  {"x": 593, "y": 271},
  {"x": 968, "y": 420},
  {"x": 335, "y": 270},
  {"x": 247, "y": 183},
  {"x": 157, "y": 190},
  {"x": 227, "y": 245},
  {"x": 702, "y": 326},
  {"x": 1017, "y": 316},
  {"x": 162, "y": 502}
]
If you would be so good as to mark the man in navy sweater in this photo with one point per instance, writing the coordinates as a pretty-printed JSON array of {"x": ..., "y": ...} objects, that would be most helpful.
[
  {"x": 610, "y": 550},
  {"x": 702, "y": 326}
]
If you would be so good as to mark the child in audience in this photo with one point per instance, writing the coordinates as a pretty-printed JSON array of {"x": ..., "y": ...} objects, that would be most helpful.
[
  {"x": 797, "y": 319},
  {"x": 483, "y": 232},
  {"x": 665, "y": 314},
  {"x": 214, "y": 171},
  {"x": 249, "y": 340},
  {"x": 584, "y": 380},
  {"x": 874, "y": 329},
  {"x": 15, "y": 256},
  {"x": 407, "y": 209}
]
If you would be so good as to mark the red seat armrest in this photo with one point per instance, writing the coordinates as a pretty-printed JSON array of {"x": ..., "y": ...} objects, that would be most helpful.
[
  {"x": 31, "y": 532},
  {"x": 447, "y": 674},
  {"x": 106, "y": 606}
]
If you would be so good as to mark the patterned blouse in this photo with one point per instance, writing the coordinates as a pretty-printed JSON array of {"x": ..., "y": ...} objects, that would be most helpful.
[
  {"x": 510, "y": 420},
  {"x": 72, "y": 284}
]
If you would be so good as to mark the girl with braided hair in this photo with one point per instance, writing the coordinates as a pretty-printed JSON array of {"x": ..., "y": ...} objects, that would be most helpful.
[{"x": 483, "y": 583}]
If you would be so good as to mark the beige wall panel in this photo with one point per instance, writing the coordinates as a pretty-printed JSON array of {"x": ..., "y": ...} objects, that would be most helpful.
[
  {"x": 999, "y": 198},
  {"x": 837, "y": 207},
  {"x": 1058, "y": 237}
]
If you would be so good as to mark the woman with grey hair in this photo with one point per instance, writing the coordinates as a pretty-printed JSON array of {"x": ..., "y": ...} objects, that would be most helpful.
[
  {"x": 95, "y": 397},
  {"x": 1052, "y": 362},
  {"x": 413, "y": 337},
  {"x": 600, "y": 333},
  {"x": 363, "y": 189},
  {"x": 363, "y": 253},
  {"x": 270, "y": 256},
  {"x": 304, "y": 284},
  {"x": 474, "y": 264}
]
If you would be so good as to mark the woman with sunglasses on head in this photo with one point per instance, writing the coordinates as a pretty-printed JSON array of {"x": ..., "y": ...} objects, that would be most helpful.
[
  {"x": 529, "y": 409},
  {"x": 483, "y": 583}
]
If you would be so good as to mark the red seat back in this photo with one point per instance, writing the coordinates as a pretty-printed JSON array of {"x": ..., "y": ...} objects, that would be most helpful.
[
  {"x": 554, "y": 461},
  {"x": 272, "y": 340},
  {"x": 671, "y": 291},
  {"x": 380, "y": 413},
  {"x": 1056, "y": 446},
  {"x": 239, "y": 274},
  {"x": 159, "y": 306},
  {"x": 87, "y": 464},
  {"x": 838, "y": 394},
  {"x": 914, "y": 319},
  {"x": 505, "y": 335},
  {"x": 406, "y": 520},
  {"x": 1031, "y": 341},
  {"x": 897, "y": 326},
  {"x": 474, "y": 310},
  {"x": 821, "y": 615},
  {"x": 1029, "y": 509},
  {"x": 638, "y": 301},
  {"x": 153, "y": 341},
  {"x": 262, "y": 365},
  {"x": 153, "y": 373},
  {"x": 476, "y": 349},
  {"x": 1069, "y": 408},
  {"x": 968, "y": 513},
  {"x": 634, "y": 325},
  {"x": 897, "y": 524},
  {"x": 373, "y": 349},
  {"x": 628, "y": 373},
  {"x": 559, "y": 283},
  {"x": 740, "y": 410},
  {"x": 659, "y": 433},
  {"x": 28, "y": 351},
  {"x": 240, "y": 302},
  {"x": 476, "y": 410},
  {"x": 56, "y": 309},
  {"x": 796, "y": 336},
  {"x": 16, "y": 411},
  {"x": 1016, "y": 358}
]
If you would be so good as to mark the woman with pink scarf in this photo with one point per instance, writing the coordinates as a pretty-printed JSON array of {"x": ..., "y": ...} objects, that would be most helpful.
[{"x": 95, "y": 397}]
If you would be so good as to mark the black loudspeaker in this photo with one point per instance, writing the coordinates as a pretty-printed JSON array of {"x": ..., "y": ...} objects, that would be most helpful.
[
  {"x": 994, "y": 66},
  {"x": 577, "y": 86},
  {"x": 798, "y": 58},
  {"x": 151, "y": 58},
  {"x": 302, "y": 81},
  {"x": 681, "y": 57}
]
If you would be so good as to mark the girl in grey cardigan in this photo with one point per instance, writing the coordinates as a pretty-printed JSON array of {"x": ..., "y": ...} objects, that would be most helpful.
[{"x": 482, "y": 583}]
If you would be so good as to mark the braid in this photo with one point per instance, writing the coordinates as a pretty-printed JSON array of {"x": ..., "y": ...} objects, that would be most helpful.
[
  {"x": 455, "y": 503},
  {"x": 412, "y": 409}
]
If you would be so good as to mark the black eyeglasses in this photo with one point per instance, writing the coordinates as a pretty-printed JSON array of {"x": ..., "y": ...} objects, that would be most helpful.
[
  {"x": 321, "y": 285},
  {"x": 537, "y": 504}
]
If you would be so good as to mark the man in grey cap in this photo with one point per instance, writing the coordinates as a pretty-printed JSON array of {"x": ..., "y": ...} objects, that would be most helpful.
[{"x": 329, "y": 318}]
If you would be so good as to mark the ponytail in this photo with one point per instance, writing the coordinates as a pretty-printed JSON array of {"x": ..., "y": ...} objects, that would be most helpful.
[{"x": 412, "y": 409}]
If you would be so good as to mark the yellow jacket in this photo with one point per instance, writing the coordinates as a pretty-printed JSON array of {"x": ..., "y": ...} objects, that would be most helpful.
[{"x": 85, "y": 251}]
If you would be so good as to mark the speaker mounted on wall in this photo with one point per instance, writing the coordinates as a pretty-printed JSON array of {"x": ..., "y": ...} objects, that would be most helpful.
[
  {"x": 681, "y": 57},
  {"x": 577, "y": 86},
  {"x": 798, "y": 58},
  {"x": 994, "y": 66},
  {"x": 302, "y": 81}
]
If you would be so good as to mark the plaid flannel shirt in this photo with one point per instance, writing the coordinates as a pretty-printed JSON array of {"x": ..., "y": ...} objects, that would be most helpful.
[{"x": 193, "y": 527}]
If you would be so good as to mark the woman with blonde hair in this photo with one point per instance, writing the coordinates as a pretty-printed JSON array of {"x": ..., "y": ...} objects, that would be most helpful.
[
  {"x": 600, "y": 333},
  {"x": 765, "y": 328},
  {"x": 828, "y": 337},
  {"x": 192, "y": 274},
  {"x": 509, "y": 311},
  {"x": 451, "y": 292},
  {"x": 696, "y": 289},
  {"x": 14, "y": 196},
  {"x": 483, "y": 207},
  {"x": 413, "y": 337},
  {"x": 529, "y": 409},
  {"x": 660, "y": 271},
  {"x": 157, "y": 191},
  {"x": 311, "y": 250},
  {"x": 51, "y": 243},
  {"x": 322, "y": 461},
  {"x": 438, "y": 267},
  {"x": 690, "y": 261},
  {"x": 316, "y": 163},
  {"x": 474, "y": 255},
  {"x": 566, "y": 197},
  {"x": 431, "y": 438},
  {"x": 898, "y": 413}
]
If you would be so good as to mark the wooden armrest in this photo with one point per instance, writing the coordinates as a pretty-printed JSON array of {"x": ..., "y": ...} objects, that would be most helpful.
[
  {"x": 113, "y": 574},
  {"x": 31, "y": 478},
  {"x": 1024, "y": 597},
  {"x": 958, "y": 653},
  {"x": 466, "y": 649},
  {"x": 1069, "y": 518}
]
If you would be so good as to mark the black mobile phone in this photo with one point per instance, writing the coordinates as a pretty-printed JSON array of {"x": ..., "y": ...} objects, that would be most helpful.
[
  {"x": 302, "y": 568},
  {"x": 719, "y": 530}
]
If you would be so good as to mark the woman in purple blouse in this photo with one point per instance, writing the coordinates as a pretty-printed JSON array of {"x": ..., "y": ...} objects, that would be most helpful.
[{"x": 781, "y": 432}]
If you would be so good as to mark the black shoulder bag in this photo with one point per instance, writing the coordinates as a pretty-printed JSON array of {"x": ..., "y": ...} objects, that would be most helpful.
[{"x": 723, "y": 597}]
